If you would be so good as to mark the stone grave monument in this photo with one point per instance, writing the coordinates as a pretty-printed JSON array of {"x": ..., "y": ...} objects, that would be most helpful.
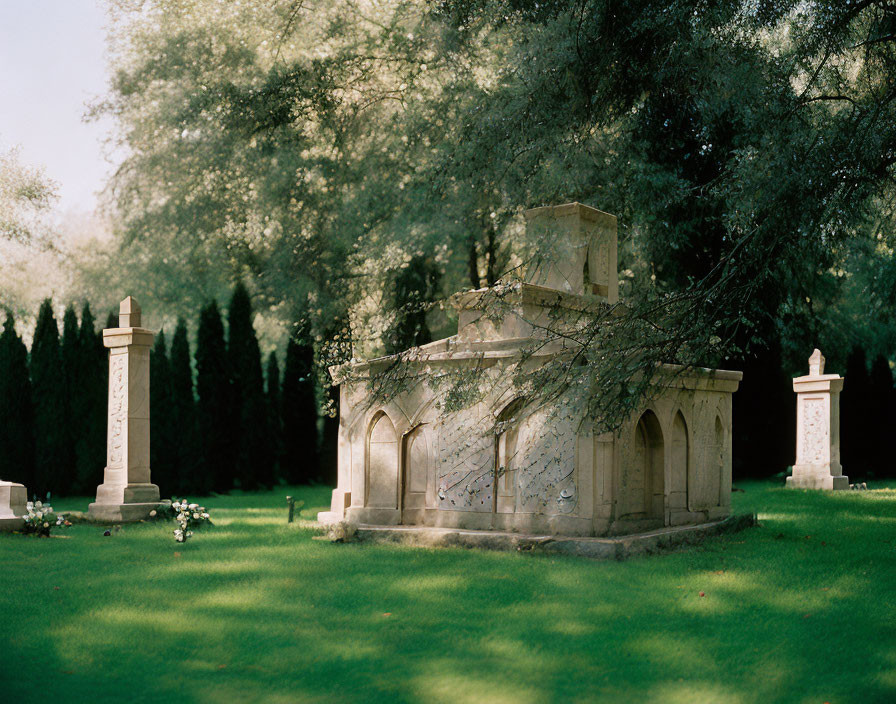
[
  {"x": 127, "y": 493},
  {"x": 504, "y": 463},
  {"x": 818, "y": 429},
  {"x": 13, "y": 498}
]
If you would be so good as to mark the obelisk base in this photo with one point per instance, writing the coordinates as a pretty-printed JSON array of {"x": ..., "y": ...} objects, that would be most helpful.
[
  {"x": 816, "y": 477},
  {"x": 13, "y": 498},
  {"x": 120, "y": 503}
]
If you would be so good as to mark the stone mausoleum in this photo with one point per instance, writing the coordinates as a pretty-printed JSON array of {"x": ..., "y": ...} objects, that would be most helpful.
[{"x": 500, "y": 464}]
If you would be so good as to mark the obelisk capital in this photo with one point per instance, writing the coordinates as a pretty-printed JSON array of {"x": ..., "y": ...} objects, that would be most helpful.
[
  {"x": 129, "y": 332},
  {"x": 816, "y": 363},
  {"x": 129, "y": 313}
]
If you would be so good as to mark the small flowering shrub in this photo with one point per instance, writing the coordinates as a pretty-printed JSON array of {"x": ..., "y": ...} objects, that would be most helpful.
[
  {"x": 188, "y": 516},
  {"x": 41, "y": 519}
]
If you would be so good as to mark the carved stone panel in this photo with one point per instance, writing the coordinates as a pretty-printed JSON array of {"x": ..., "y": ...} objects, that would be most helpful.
[
  {"x": 466, "y": 462},
  {"x": 118, "y": 410},
  {"x": 546, "y": 462},
  {"x": 815, "y": 434}
]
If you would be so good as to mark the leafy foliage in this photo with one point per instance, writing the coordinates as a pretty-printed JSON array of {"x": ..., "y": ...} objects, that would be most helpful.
[
  {"x": 25, "y": 196},
  {"x": 748, "y": 149}
]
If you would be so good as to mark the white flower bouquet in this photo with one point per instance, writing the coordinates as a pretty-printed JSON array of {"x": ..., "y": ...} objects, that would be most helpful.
[
  {"x": 41, "y": 519},
  {"x": 188, "y": 517}
]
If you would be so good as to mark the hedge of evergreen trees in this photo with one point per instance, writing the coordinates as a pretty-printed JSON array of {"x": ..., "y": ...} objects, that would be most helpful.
[
  {"x": 867, "y": 414},
  {"x": 227, "y": 426}
]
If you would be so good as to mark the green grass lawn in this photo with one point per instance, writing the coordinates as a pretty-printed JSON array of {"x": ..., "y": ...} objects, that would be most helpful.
[{"x": 799, "y": 609}]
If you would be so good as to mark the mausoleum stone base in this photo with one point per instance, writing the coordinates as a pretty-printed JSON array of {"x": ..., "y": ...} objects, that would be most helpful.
[
  {"x": 616, "y": 548},
  {"x": 519, "y": 523}
]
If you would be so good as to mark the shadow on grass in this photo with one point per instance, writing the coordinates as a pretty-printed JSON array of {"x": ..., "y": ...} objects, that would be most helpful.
[{"x": 798, "y": 609}]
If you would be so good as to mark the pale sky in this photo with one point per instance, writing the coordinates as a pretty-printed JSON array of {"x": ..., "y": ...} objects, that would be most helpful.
[{"x": 52, "y": 62}]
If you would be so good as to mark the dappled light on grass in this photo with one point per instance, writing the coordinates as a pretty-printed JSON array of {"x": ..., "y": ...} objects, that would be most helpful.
[
  {"x": 255, "y": 609},
  {"x": 433, "y": 586},
  {"x": 139, "y": 617},
  {"x": 443, "y": 687},
  {"x": 706, "y": 692},
  {"x": 690, "y": 652}
]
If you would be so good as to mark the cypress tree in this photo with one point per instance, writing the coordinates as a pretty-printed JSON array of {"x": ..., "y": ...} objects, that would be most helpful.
[
  {"x": 16, "y": 410},
  {"x": 414, "y": 288},
  {"x": 90, "y": 445},
  {"x": 183, "y": 411},
  {"x": 881, "y": 417},
  {"x": 216, "y": 466},
  {"x": 48, "y": 383},
  {"x": 301, "y": 459},
  {"x": 275, "y": 412},
  {"x": 162, "y": 440},
  {"x": 112, "y": 320},
  {"x": 70, "y": 354},
  {"x": 254, "y": 458},
  {"x": 855, "y": 433}
]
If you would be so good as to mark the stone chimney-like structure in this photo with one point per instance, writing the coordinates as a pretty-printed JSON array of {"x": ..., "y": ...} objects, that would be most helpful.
[{"x": 577, "y": 250}]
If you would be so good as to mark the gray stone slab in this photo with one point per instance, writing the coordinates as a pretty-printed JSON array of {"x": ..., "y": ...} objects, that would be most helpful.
[{"x": 8, "y": 525}]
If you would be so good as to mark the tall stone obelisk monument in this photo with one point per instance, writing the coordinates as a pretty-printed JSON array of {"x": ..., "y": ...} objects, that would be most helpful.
[{"x": 126, "y": 493}]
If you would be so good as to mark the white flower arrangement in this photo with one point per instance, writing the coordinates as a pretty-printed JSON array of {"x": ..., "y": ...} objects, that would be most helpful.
[
  {"x": 188, "y": 516},
  {"x": 41, "y": 519}
]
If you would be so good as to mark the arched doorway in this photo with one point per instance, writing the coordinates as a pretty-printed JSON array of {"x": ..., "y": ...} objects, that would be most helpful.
[
  {"x": 416, "y": 466},
  {"x": 678, "y": 491},
  {"x": 382, "y": 464},
  {"x": 642, "y": 494}
]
